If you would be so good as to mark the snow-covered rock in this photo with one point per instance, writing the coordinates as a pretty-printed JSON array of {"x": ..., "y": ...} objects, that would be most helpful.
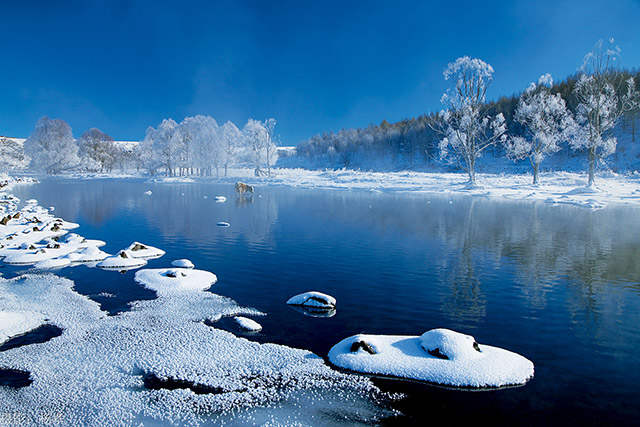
[
  {"x": 223, "y": 224},
  {"x": 221, "y": 199},
  {"x": 247, "y": 324},
  {"x": 183, "y": 263},
  {"x": 138, "y": 250},
  {"x": 439, "y": 356},
  {"x": 123, "y": 260},
  {"x": 175, "y": 280},
  {"x": 313, "y": 299}
]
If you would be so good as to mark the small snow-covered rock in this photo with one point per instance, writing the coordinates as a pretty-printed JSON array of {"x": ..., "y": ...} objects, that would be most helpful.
[
  {"x": 439, "y": 356},
  {"x": 138, "y": 250},
  {"x": 148, "y": 192},
  {"x": 313, "y": 299},
  {"x": 223, "y": 224},
  {"x": 184, "y": 263},
  {"x": 123, "y": 260},
  {"x": 247, "y": 324},
  {"x": 221, "y": 199},
  {"x": 53, "y": 263},
  {"x": 90, "y": 254}
]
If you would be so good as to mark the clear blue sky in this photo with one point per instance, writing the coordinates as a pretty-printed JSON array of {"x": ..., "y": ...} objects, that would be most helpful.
[{"x": 122, "y": 66}]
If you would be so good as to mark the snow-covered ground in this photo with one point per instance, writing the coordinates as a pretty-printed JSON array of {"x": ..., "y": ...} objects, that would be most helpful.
[{"x": 555, "y": 187}]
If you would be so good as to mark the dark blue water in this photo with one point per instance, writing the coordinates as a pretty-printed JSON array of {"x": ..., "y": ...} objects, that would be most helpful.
[{"x": 557, "y": 284}]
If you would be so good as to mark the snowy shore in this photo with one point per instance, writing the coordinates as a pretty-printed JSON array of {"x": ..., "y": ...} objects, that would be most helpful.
[{"x": 555, "y": 187}]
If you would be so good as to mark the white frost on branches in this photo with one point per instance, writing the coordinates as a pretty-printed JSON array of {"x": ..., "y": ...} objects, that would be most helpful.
[
  {"x": 466, "y": 128},
  {"x": 51, "y": 146},
  {"x": 547, "y": 123}
]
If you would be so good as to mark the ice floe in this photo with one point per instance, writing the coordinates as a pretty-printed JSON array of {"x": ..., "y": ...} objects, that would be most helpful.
[
  {"x": 439, "y": 356},
  {"x": 248, "y": 324},
  {"x": 183, "y": 263},
  {"x": 313, "y": 299},
  {"x": 160, "y": 364}
]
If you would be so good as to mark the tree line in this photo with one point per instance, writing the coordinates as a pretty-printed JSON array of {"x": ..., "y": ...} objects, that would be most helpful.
[
  {"x": 197, "y": 146},
  {"x": 577, "y": 114}
]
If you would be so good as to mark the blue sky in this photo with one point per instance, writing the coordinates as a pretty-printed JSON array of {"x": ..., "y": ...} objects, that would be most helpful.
[{"x": 122, "y": 66}]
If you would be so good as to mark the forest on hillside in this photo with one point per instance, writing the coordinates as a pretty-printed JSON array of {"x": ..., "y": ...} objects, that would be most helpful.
[{"x": 413, "y": 143}]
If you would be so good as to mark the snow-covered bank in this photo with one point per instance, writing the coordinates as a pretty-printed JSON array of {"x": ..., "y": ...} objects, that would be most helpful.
[{"x": 555, "y": 187}]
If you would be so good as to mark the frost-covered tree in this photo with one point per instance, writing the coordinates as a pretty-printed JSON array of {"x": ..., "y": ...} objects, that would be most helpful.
[
  {"x": 230, "y": 141},
  {"x": 258, "y": 140},
  {"x": 12, "y": 155},
  {"x": 599, "y": 106},
  {"x": 466, "y": 127},
  {"x": 97, "y": 150},
  {"x": 546, "y": 122},
  {"x": 160, "y": 147},
  {"x": 51, "y": 146}
]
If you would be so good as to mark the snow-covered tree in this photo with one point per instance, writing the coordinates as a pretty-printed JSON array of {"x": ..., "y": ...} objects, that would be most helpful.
[
  {"x": 599, "y": 105},
  {"x": 160, "y": 147},
  {"x": 51, "y": 146},
  {"x": 466, "y": 127},
  {"x": 12, "y": 155},
  {"x": 97, "y": 150},
  {"x": 546, "y": 121},
  {"x": 230, "y": 141},
  {"x": 258, "y": 140}
]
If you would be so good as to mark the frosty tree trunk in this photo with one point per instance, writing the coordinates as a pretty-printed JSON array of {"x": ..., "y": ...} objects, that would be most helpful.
[
  {"x": 536, "y": 170},
  {"x": 592, "y": 166}
]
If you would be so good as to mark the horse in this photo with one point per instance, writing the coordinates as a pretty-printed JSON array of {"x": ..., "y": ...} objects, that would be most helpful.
[{"x": 242, "y": 188}]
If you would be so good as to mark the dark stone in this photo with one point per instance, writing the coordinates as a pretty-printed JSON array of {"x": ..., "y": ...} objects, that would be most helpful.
[
  {"x": 362, "y": 345},
  {"x": 17, "y": 215},
  {"x": 123, "y": 254},
  {"x": 15, "y": 378},
  {"x": 476, "y": 347},
  {"x": 139, "y": 247},
  {"x": 436, "y": 352}
]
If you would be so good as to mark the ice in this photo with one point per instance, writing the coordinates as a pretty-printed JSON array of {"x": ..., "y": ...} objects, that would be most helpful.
[
  {"x": 184, "y": 263},
  {"x": 313, "y": 299},
  {"x": 112, "y": 370},
  {"x": 139, "y": 250},
  {"x": 13, "y": 323},
  {"x": 439, "y": 356},
  {"x": 248, "y": 324}
]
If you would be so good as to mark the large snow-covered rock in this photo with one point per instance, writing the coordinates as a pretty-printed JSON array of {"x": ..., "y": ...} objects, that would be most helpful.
[
  {"x": 172, "y": 280},
  {"x": 183, "y": 263},
  {"x": 313, "y": 299},
  {"x": 439, "y": 356}
]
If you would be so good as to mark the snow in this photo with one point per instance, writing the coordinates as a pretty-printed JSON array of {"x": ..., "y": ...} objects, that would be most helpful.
[
  {"x": 248, "y": 324},
  {"x": 175, "y": 280},
  {"x": 184, "y": 263},
  {"x": 123, "y": 260},
  {"x": 113, "y": 367},
  {"x": 13, "y": 323},
  {"x": 409, "y": 357},
  {"x": 139, "y": 250},
  {"x": 502, "y": 184},
  {"x": 313, "y": 299}
]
